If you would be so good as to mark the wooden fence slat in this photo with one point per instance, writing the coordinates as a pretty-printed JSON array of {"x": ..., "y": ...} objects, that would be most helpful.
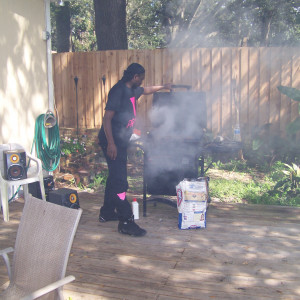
[
  {"x": 196, "y": 73},
  {"x": 186, "y": 67},
  {"x": 69, "y": 106},
  {"x": 176, "y": 62},
  {"x": 244, "y": 99},
  {"x": 142, "y": 102},
  {"x": 158, "y": 67},
  {"x": 286, "y": 80},
  {"x": 236, "y": 85},
  {"x": 82, "y": 100},
  {"x": 149, "y": 79},
  {"x": 206, "y": 69},
  {"x": 97, "y": 90},
  {"x": 123, "y": 62},
  {"x": 255, "y": 72},
  {"x": 226, "y": 92},
  {"x": 114, "y": 67},
  {"x": 74, "y": 69},
  {"x": 216, "y": 91},
  {"x": 264, "y": 87},
  {"x": 275, "y": 96},
  {"x": 167, "y": 65},
  {"x": 253, "y": 89},
  {"x": 130, "y": 57},
  {"x": 105, "y": 85},
  {"x": 89, "y": 93}
]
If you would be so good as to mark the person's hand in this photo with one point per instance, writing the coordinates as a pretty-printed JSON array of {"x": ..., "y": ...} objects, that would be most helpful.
[
  {"x": 168, "y": 86},
  {"x": 112, "y": 151}
]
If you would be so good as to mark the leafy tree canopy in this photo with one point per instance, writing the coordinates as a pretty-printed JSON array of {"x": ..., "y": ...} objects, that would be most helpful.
[
  {"x": 82, "y": 21},
  {"x": 193, "y": 23}
]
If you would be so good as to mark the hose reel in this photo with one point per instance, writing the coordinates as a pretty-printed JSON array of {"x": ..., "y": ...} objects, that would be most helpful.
[{"x": 49, "y": 119}]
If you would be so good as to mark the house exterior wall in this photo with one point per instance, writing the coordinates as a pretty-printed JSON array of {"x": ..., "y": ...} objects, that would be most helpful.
[{"x": 23, "y": 69}]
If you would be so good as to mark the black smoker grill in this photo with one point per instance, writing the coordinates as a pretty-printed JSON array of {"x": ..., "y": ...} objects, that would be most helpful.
[
  {"x": 175, "y": 146},
  {"x": 172, "y": 149}
]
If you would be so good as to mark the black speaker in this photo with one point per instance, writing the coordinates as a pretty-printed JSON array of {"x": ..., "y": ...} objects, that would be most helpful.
[
  {"x": 35, "y": 190},
  {"x": 65, "y": 197},
  {"x": 14, "y": 164}
]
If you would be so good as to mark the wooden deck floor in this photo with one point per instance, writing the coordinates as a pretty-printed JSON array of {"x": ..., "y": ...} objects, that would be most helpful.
[{"x": 246, "y": 252}]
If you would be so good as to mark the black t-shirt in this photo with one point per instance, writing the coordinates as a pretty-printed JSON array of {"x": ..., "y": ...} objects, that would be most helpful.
[{"x": 121, "y": 100}]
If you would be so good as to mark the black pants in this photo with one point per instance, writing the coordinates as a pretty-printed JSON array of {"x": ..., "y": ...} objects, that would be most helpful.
[{"x": 116, "y": 184}]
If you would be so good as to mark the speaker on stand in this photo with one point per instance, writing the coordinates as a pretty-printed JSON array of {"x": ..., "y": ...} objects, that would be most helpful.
[{"x": 15, "y": 164}]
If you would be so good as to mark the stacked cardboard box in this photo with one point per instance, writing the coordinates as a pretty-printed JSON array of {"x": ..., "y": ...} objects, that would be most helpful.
[{"x": 192, "y": 198}]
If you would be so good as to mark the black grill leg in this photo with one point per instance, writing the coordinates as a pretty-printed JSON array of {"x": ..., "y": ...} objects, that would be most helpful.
[
  {"x": 202, "y": 166},
  {"x": 144, "y": 203},
  {"x": 144, "y": 189}
]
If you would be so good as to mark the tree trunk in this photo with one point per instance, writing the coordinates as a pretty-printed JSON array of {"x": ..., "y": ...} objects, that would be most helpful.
[
  {"x": 110, "y": 24},
  {"x": 63, "y": 27},
  {"x": 265, "y": 28}
]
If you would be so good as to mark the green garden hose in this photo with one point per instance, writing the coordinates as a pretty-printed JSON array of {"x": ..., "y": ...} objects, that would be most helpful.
[{"x": 47, "y": 150}]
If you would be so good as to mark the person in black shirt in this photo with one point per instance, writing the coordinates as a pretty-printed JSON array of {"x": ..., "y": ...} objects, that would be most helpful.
[{"x": 114, "y": 136}]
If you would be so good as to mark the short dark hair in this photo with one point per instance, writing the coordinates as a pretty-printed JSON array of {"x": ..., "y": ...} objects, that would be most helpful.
[{"x": 132, "y": 70}]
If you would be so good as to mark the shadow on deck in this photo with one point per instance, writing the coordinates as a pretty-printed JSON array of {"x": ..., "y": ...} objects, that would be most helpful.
[{"x": 246, "y": 252}]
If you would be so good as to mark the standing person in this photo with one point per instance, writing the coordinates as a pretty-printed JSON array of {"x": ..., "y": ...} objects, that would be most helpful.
[{"x": 114, "y": 135}]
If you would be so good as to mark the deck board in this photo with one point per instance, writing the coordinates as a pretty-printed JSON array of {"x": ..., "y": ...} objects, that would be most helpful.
[{"x": 246, "y": 252}]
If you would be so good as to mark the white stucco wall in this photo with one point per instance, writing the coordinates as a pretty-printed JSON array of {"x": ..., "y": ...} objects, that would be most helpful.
[{"x": 23, "y": 69}]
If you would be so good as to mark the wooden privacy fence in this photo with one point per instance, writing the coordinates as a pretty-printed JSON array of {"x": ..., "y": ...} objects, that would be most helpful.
[{"x": 234, "y": 79}]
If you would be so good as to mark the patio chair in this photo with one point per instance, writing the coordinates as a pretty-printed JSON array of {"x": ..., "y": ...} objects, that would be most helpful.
[
  {"x": 34, "y": 174},
  {"x": 43, "y": 243}
]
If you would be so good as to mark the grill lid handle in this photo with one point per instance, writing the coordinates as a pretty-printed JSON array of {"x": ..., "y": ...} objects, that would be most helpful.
[{"x": 180, "y": 86}]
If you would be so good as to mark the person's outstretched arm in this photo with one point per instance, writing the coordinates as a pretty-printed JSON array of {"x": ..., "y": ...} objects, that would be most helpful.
[{"x": 152, "y": 89}]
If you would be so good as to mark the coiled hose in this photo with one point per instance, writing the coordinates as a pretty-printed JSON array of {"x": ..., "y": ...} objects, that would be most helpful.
[{"x": 47, "y": 151}]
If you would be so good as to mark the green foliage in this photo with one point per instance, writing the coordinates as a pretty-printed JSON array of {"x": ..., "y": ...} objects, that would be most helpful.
[
  {"x": 100, "y": 179},
  {"x": 228, "y": 190},
  {"x": 233, "y": 165},
  {"x": 293, "y": 127},
  {"x": 144, "y": 24},
  {"x": 264, "y": 146},
  {"x": 82, "y": 20},
  {"x": 195, "y": 23},
  {"x": 265, "y": 22},
  {"x": 233, "y": 22},
  {"x": 83, "y": 35},
  {"x": 269, "y": 187},
  {"x": 268, "y": 146},
  {"x": 287, "y": 189},
  {"x": 291, "y": 180},
  {"x": 290, "y": 92},
  {"x": 72, "y": 146}
]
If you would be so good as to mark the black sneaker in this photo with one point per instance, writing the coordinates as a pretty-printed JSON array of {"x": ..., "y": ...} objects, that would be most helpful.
[
  {"x": 103, "y": 219},
  {"x": 131, "y": 228}
]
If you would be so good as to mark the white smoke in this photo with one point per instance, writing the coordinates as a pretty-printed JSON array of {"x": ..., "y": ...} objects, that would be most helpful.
[{"x": 178, "y": 115}]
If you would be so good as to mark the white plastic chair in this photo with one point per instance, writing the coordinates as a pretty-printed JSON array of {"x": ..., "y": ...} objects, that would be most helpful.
[
  {"x": 34, "y": 174},
  {"x": 44, "y": 240}
]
